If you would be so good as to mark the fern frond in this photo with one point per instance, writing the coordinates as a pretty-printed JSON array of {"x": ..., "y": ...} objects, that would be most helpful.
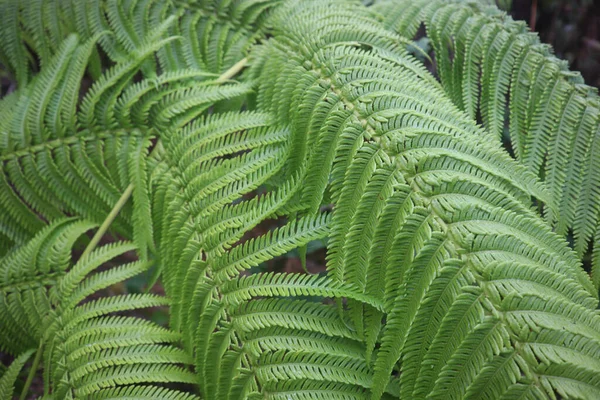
[
  {"x": 85, "y": 347},
  {"x": 214, "y": 163},
  {"x": 484, "y": 58},
  {"x": 214, "y": 34},
  {"x": 446, "y": 235},
  {"x": 238, "y": 291},
  {"x": 8, "y": 378},
  {"x": 142, "y": 392},
  {"x": 25, "y": 275}
]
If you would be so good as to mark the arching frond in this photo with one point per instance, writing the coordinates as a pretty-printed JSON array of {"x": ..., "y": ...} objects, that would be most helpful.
[
  {"x": 8, "y": 378},
  {"x": 212, "y": 35},
  {"x": 61, "y": 155},
  {"x": 376, "y": 124},
  {"x": 492, "y": 66},
  {"x": 84, "y": 344}
]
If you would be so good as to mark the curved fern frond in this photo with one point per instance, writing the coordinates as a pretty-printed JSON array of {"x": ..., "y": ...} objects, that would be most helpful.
[
  {"x": 86, "y": 346},
  {"x": 212, "y": 167},
  {"x": 454, "y": 198},
  {"x": 26, "y": 274},
  {"x": 492, "y": 66},
  {"x": 8, "y": 378},
  {"x": 214, "y": 34}
]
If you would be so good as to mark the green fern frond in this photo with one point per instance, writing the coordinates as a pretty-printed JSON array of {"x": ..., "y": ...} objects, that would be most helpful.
[
  {"x": 8, "y": 378},
  {"x": 85, "y": 348},
  {"x": 142, "y": 392},
  {"x": 26, "y": 274},
  {"x": 214, "y": 34},
  {"x": 390, "y": 125},
  {"x": 455, "y": 196},
  {"x": 492, "y": 65}
]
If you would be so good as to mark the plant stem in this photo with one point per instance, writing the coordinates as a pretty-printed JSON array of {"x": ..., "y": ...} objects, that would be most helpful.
[
  {"x": 116, "y": 209},
  {"x": 109, "y": 219},
  {"x": 231, "y": 72},
  {"x": 32, "y": 371}
]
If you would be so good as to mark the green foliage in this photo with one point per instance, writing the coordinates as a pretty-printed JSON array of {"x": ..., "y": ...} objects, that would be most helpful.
[
  {"x": 62, "y": 155},
  {"x": 87, "y": 347},
  {"x": 10, "y": 375},
  {"x": 211, "y": 35},
  {"x": 443, "y": 280},
  {"x": 494, "y": 68}
]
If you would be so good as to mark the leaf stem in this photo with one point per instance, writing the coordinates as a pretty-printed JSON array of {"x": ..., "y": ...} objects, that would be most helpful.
[
  {"x": 32, "y": 371},
  {"x": 231, "y": 72},
  {"x": 109, "y": 220},
  {"x": 116, "y": 209}
]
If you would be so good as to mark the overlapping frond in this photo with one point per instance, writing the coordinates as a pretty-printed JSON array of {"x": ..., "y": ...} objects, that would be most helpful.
[
  {"x": 63, "y": 155},
  {"x": 212, "y": 34},
  {"x": 207, "y": 191},
  {"x": 443, "y": 280},
  {"x": 86, "y": 345},
  {"x": 8, "y": 378},
  {"x": 26, "y": 274},
  {"x": 492, "y": 67},
  {"x": 427, "y": 213}
]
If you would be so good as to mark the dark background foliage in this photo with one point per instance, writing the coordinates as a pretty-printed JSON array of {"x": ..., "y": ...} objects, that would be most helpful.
[{"x": 572, "y": 27}]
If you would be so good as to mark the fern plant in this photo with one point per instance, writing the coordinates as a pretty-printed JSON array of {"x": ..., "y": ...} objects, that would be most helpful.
[
  {"x": 85, "y": 347},
  {"x": 448, "y": 274},
  {"x": 503, "y": 74}
]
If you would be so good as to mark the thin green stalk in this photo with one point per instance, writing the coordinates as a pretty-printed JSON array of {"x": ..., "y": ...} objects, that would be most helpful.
[
  {"x": 116, "y": 209},
  {"x": 233, "y": 71},
  {"x": 109, "y": 220},
  {"x": 32, "y": 371}
]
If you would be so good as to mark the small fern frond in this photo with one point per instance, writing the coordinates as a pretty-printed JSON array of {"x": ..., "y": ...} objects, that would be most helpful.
[
  {"x": 84, "y": 346},
  {"x": 241, "y": 290},
  {"x": 9, "y": 377},
  {"x": 26, "y": 273}
]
